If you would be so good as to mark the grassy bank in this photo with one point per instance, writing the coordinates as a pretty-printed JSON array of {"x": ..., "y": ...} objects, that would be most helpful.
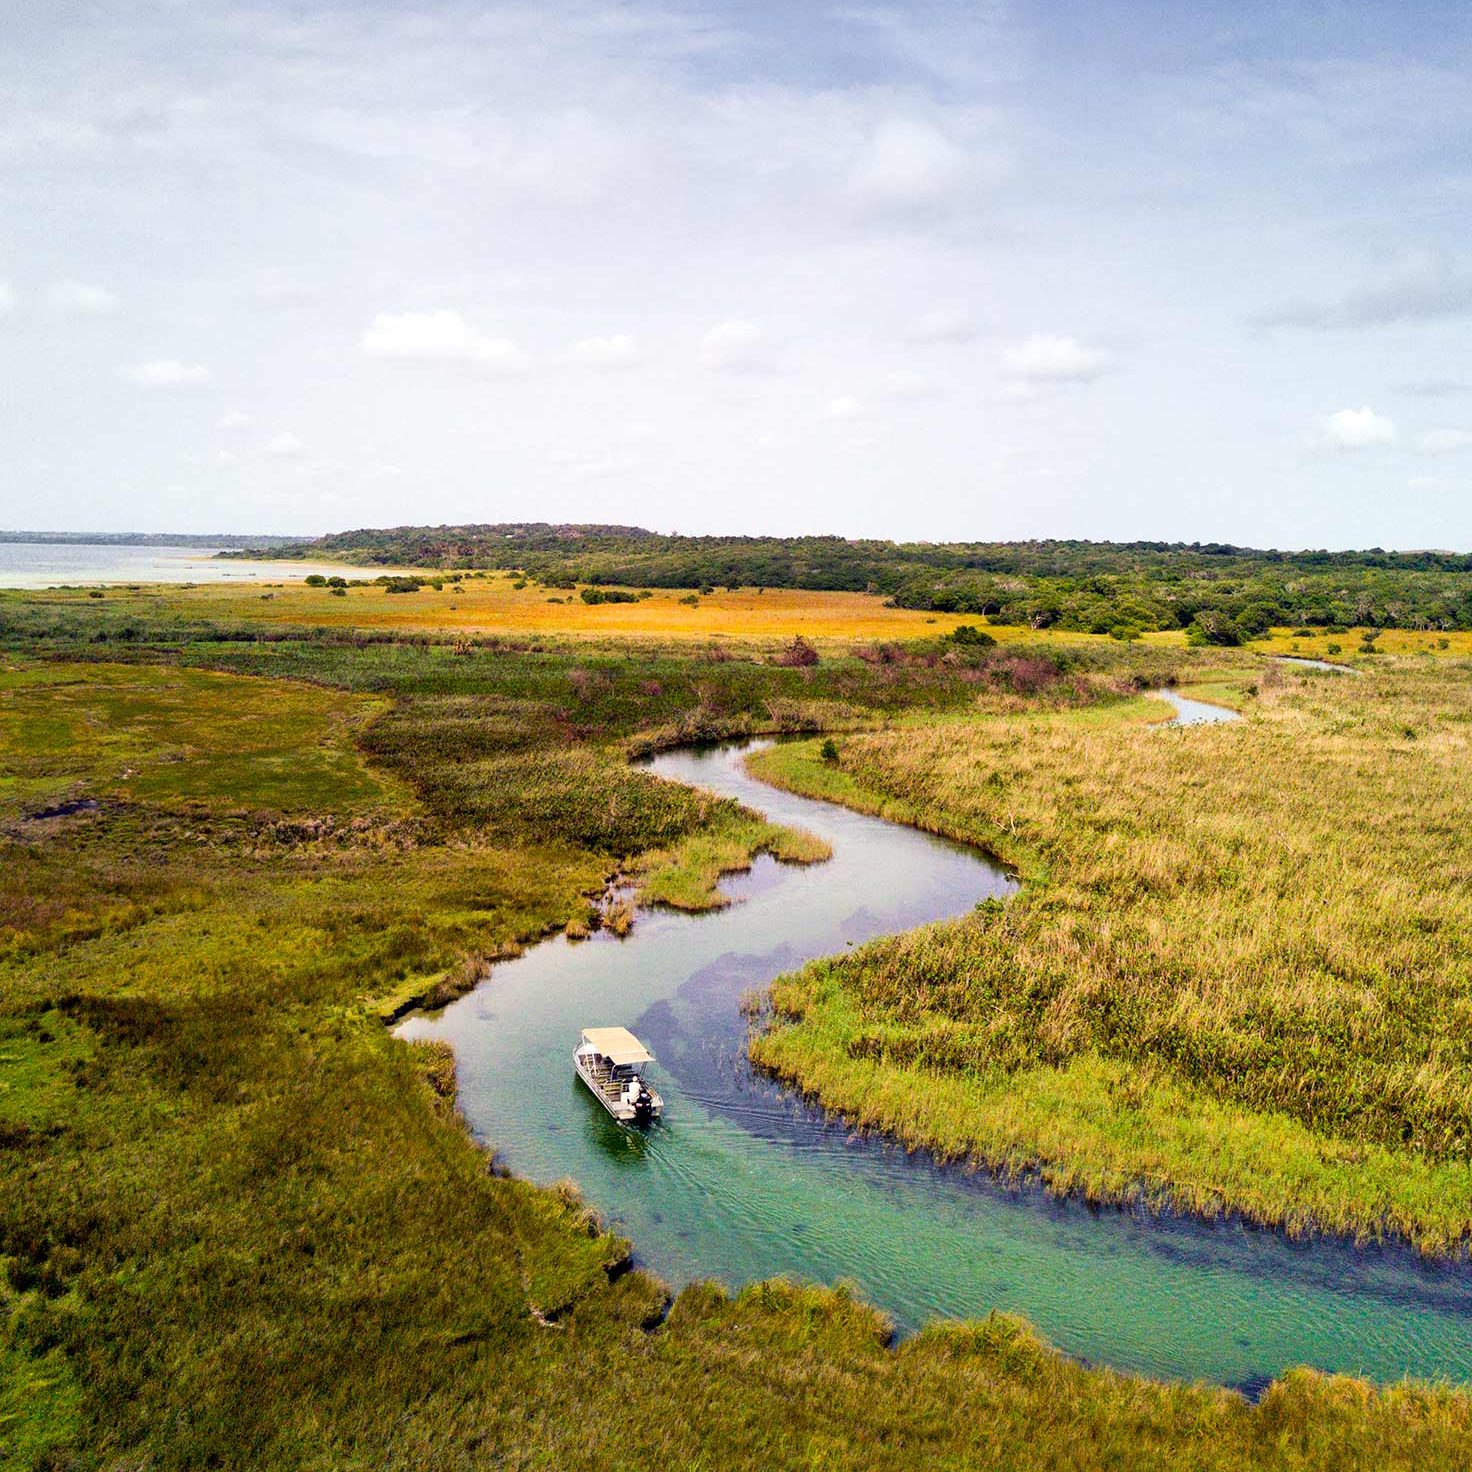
[
  {"x": 1236, "y": 978},
  {"x": 240, "y": 1226}
]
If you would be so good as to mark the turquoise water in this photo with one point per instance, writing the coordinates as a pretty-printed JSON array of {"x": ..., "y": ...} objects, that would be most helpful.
[{"x": 741, "y": 1183}]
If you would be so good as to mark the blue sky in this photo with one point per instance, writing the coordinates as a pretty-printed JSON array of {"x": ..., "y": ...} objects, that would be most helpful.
[{"x": 936, "y": 270}]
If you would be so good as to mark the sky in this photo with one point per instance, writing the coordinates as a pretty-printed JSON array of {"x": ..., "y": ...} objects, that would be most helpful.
[{"x": 942, "y": 270}]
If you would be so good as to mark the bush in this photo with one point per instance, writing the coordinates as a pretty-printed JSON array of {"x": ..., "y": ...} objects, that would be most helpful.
[
  {"x": 607, "y": 595},
  {"x": 829, "y": 750},
  {"x": 799, "y": 654},
  {"x": 316, "y": 580},
  {"x": 401, "y": 585},
  {"x": 1212, "y": 627},
  {"x": 337, "y": 582},
  {"x": 970, "y": 634}
]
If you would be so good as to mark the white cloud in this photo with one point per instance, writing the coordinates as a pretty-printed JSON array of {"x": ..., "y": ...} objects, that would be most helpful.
[
  {"x": 842, "y": 407},
  {"x": 287, "y": 446},
  {"x": 1357, "y": 429},
  {"x": 1444, "y": 441},
  {"x": 907, "y": 165},
  {"x": 1425, "y": 286},
  {"x": 166, "y": 373},
  {"x": 439, "y": 337},
  {"x": 7, "y": 298},
  {"x": 81, "y": 299},
  {"x": 235, "y": 419},
  {"x": 942, "y": 324},
  {"x": 1048, "y": 359},
  {"x": 619, "y": 351},
  {"x": 736, "y": 347}
]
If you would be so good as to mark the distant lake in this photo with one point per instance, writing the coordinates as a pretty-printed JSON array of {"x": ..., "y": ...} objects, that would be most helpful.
[{"x": 48, "y": 565}]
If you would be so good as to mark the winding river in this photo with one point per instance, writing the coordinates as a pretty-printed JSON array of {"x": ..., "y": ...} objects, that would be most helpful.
[{"x": 741, "y": 1182}]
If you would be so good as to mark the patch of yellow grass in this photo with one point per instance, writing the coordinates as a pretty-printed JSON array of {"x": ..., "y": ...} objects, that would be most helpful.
[
  {"x": 1458, "y": 643},
  {"x": 493, "y": 605}
]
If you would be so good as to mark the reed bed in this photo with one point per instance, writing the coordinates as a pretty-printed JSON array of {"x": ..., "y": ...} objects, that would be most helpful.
[
  {"x": 1240, "y": 976},
  {"x": 242, "y": 1227}
]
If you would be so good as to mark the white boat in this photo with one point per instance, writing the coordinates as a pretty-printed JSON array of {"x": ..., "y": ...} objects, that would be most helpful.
[{"x": 608, "y": 1060}]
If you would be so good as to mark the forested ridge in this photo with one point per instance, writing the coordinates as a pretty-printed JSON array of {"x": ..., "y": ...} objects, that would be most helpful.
[{"x": 1220, "y": 593}]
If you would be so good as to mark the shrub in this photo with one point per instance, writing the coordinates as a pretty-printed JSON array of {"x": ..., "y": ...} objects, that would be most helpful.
[
  {"x": 799, "y": 654},
  {"x": 1211, "y": 626},
  {"x": 829, "y": 750},
  {"x": 1026, "y": 675},
  {"x": 316, "y": 580},
  {"x": 970, "y": 634}
]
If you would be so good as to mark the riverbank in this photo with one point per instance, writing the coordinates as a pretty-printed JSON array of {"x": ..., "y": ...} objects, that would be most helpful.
[
  {"x": 191, "y": 982},
  {"x": 1150, "y": 1020}
]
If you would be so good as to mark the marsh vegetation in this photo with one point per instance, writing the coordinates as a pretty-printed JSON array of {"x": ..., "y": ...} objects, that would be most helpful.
[{"x": 239, "y": 1223}]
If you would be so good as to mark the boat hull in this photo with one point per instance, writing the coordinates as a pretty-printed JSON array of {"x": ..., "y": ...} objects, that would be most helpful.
[{"x": 613, "y": 1098}]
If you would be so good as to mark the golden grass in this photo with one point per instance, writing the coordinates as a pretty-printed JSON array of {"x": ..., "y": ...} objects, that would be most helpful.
[
  {"x": 1240, "y": 973},
  {"x": 1456, "y": 643},
  {"x": 494, "y": 605}
]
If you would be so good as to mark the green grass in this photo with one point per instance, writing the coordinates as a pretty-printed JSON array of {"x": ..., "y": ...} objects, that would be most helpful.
[
  {"x": 241, "y": 1226},
  {"x": 166, "y": 735},
  {"x": 1237, "y": 975},
  {"x": 686, "y": 877}
]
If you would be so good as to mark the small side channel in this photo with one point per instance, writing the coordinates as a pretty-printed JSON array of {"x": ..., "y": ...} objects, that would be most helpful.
[
  {"x": 1317, "y": 664},
  {"x": 741, "y": 1182}
]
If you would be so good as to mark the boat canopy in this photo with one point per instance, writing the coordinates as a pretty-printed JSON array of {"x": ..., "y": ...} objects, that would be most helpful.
[{"x": 618, "y": 1045}]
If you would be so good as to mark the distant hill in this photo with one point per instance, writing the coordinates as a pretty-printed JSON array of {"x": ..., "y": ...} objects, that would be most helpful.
[
  {"x": 1218, "y": 592},
  {"x": 152, "y": 539}
]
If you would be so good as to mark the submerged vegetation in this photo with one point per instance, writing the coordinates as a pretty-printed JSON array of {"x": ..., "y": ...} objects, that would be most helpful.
[{"x": 240, "y": 1225}]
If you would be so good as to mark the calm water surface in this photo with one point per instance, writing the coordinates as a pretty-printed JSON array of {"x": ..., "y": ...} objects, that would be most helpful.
[
  {"x": 1319, "y": 664},
  {"x": 44, "y": 565},
  {"x": 740, "y": 1183}
]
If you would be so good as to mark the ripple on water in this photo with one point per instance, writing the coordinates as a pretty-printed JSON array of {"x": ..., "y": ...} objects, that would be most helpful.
[{"x": 741, "y": 1182}]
